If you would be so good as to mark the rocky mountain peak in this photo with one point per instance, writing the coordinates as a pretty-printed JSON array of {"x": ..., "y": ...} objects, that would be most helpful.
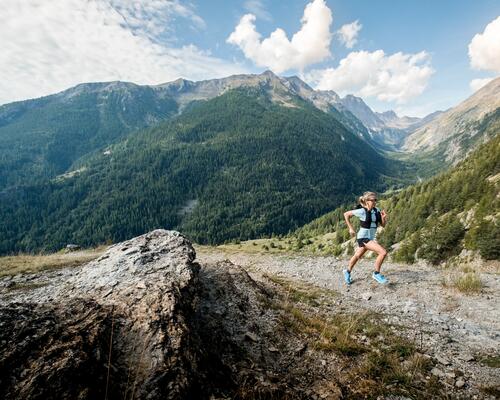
[
  {"x": 456, "y": 124},
  {"x": 388, "y": 114}
]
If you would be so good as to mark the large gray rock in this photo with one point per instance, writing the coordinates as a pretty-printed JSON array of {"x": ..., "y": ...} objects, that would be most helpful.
[{"x": 117, "y": 328}]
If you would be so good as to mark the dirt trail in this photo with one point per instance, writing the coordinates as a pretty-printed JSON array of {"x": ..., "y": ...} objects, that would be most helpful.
[{"x": 461, "y": 331}]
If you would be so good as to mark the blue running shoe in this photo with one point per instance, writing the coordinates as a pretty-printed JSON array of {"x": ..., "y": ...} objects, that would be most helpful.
[
  {"x": 347, "y": 277},
  {"x": 380, "y": 278}
]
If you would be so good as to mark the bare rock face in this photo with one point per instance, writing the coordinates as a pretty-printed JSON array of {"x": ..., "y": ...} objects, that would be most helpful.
[{"x": 117, "y": 328}]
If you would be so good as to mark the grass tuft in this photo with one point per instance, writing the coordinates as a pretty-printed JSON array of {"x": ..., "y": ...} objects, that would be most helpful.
[
  {"x": 468, "y": 283},
  {"x": 491, "y": 361}
]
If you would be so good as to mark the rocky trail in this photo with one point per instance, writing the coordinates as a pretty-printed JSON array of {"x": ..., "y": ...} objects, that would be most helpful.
[
  {"x": 459, "y": 331},
  {"x": 153, "y": 318}
]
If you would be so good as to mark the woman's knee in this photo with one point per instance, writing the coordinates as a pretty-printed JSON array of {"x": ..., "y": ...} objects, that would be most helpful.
[{"x": 382, "y": 252}]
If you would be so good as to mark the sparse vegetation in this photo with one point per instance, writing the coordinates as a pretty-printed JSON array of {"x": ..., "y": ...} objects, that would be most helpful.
[
  {"x": 301, "y": 293},
  {"x": 383, "y": 361},
  {"x": 465, "y": 282},
  {"x": 24, "y": 263},
  {"x": 491, "y": 361},
  {"x": 469, "y": 283}
]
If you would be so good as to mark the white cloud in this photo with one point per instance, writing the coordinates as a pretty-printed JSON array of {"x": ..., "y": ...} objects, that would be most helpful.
[
  {"x": 477, "y": 84},
  {"x": 348, "y": 34},
  {"x": 48, "y": 46},
  {"x": 484, "y": 48},
  {"x": 397, "y": 77},
  {"x": 308, "y": 46},
  {"x": 151, "y": 18},
  {"x": 257, "y": 8}
]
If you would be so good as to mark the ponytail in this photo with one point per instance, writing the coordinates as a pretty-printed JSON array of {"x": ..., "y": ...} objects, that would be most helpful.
[{"x": 365, "y": 197}]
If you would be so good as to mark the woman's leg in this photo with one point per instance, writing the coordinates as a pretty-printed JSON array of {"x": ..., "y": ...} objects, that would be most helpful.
[
  {"x": 355, "y": 258},
  {"x": 374, "y": 246}
]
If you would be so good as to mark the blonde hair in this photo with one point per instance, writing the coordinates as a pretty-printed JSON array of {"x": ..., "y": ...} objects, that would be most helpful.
[{"x": 366, "y": 196}]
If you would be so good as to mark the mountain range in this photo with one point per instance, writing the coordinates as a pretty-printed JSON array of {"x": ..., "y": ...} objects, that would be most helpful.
[{"x": 232, "y": 158}]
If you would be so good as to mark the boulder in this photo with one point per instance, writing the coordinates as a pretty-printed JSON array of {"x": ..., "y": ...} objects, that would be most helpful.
[{"x": 117, "y": 328}]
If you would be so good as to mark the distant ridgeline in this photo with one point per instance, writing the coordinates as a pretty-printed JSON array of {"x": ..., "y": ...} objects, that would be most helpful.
[
  {"x": 436, "y": 219},
  {"x": 244, "y": 165}
]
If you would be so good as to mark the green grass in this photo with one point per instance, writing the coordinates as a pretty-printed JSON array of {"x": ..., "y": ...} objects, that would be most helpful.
[{"x": 491, "y": 361}]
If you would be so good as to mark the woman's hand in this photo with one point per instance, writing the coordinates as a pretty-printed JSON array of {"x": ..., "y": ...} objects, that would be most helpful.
[
  {"x": 352, "y": 232},
  {"x": 383, "y": 215}
]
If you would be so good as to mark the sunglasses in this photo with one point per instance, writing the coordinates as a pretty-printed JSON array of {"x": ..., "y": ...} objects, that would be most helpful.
[{"x": 374, "y": 200}]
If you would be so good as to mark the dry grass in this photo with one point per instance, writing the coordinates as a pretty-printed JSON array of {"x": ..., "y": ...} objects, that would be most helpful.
[
  {"x": 465, "y": 282},
  {"x": 25, "y": 264},
  {"x": 377, "y": 360},
  {"x": 302, "y": 292},
  {"x": 469, "y": 283}
]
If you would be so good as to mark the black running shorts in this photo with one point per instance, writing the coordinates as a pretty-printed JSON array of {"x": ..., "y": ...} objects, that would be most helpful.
[{"x": 361, "y": 242}]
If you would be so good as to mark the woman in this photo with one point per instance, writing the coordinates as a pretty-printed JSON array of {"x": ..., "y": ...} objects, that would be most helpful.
[{"x": 370, "y": 217}]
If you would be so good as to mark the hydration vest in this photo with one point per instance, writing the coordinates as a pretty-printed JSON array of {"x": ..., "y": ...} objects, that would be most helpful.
[{"x": 367, "y": 223}]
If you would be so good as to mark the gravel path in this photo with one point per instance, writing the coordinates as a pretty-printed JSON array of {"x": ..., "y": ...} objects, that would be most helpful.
[{"x": 459, "y": 330}]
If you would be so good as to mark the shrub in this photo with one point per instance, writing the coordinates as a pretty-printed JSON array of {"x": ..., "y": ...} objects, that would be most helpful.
[
  {"x": 406, "y": 253},
  {"x": 442, "y": 240},
  {"x": 488, "y": 240}
]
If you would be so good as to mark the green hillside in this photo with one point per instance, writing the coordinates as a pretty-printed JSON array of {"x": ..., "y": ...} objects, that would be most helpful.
[
  {"x": 42, "y": 138},
  {"x": 237, "y": 166},
  {"x": 440, "y": 217}
]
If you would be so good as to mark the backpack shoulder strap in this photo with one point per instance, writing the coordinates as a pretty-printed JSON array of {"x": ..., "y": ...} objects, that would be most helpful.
[{"x": 378, "y": 216}]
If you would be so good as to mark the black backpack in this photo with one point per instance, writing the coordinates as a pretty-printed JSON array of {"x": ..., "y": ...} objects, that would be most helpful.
[{"x": 368, "y": 219}]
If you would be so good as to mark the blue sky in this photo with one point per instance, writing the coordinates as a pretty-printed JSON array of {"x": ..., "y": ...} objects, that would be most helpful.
[{"x": 411, "y": 56}]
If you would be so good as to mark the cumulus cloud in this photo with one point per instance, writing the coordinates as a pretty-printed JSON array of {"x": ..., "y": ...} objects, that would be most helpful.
[
  {"x": 307, "y": 46},
  {"x": 397, "y": 77},
  {"x": 484, "y": 49},
  {"x": 348, "y": 34},
  {"x": 477, "y": 84},
  {"x": 48, "y": 46}
]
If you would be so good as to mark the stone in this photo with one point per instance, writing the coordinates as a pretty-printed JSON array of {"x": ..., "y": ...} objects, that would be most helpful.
[
  {"x": 437, "y": 372},
  {"x": 141, "y": 285},
  {"x": 366, "y": 296},
  {"x": 251, "y": 336},
  {"x": 460, "y": 383},
  {"x": 466, "y": 357},
  {"x": 72, "y": 247},
  {"x": 442, "y": 360}
]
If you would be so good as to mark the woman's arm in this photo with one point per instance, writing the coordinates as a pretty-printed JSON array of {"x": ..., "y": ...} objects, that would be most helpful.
[{"x": 347, "y": 217}]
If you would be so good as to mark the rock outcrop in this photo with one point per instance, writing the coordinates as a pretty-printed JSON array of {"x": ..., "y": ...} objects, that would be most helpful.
[{"x": 117, "y": 328}]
